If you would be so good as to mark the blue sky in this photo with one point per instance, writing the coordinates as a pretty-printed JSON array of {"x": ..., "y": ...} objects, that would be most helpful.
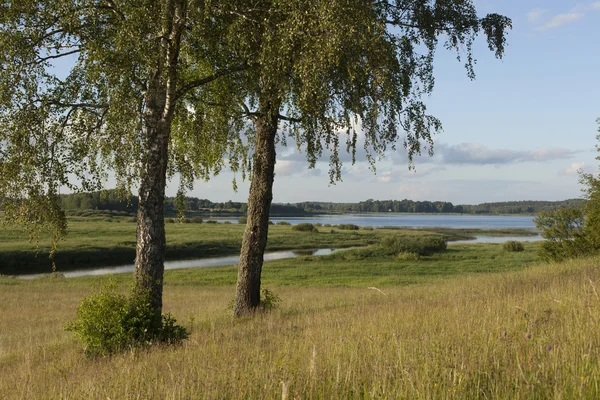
[{"x": 518, "y": 132}]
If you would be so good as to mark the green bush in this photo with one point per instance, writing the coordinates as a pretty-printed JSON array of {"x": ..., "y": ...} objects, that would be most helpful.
[
  {"x": 197, "y": 220},
  {"x": 318, "y": 224},
  {"x": 242, "y": 220},
  {"x": 109, "y": 322},
  {"x": 186, "y": 220},
  {"x": 348, "y": 227},
  {"x": 566, "y": 234},
  {"x": 212, "y": 221},
  {"x": 368, "y": 228},
  {"x": 420, "y": 245},
  {"x": 305, "y": 227},
  {"x": 168, "y": 220},
  {"x": 283, "y": 223},
  {"x": 269, "y": 300},
  {"x": 271, "y": 222},
  {"x": 513, "y": 245}
]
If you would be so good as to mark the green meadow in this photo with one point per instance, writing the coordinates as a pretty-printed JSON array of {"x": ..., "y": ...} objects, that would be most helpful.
[
  {"x": 105, "y": 241},
  {"x": 473, "y": 321}
]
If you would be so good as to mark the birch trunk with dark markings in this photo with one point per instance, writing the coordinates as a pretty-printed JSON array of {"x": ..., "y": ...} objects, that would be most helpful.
[
  {"x": 160, "y": 107},
  {"x": 247, "y": 298}
]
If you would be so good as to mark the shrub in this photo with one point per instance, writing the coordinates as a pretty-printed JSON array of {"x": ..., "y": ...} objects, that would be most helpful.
[
  {"x": 242, "y": 220},
  {"x": 348, "y": 227},
  {"x": 168, "y": 220},
  {"x": 513, "y": 245},
  {"x": 318, "y": 224},
  {"x": 420, "y": 245},
  {"x": 197, "y": 220},
  {"x": 566, "y": 234},
  {"x": 108, "y": 322},
  {"x": 271, "y": 222},
  {"x": 212, "y": 221},
  {"x": 283, "y": 223},
  {"x": 269, "y": 300},
  {"x": 327, "y": 226},
  {"x": 368, "y": 228},
  {"x": 305, "y": 227},
  {"x": 186, "y": 220}
]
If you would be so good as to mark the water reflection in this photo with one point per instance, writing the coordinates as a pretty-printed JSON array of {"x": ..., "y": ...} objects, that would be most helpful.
[
  {"x": 277, "y": 255},
  {"x": 500, "y": 239},
  {"x": 183, "y": 264}
]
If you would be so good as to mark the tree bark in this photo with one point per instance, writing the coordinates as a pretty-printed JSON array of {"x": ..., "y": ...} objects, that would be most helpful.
[
  {"x": 151, "y": 240},
  {"x": 247, "y": 298},
  {"x": 160, "y": 106}
]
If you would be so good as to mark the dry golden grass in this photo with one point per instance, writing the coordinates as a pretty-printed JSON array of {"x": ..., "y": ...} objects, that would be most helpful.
[{"x": 515, "y": 335}]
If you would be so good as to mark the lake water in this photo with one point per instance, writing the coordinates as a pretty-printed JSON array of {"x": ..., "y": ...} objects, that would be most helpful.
[
  {"x": 183, "y": 264},
  {"x": 415, "y": 220}
]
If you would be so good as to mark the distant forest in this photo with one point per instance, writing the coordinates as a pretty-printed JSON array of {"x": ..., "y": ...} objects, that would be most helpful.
[{"x": 111, "y": 200}]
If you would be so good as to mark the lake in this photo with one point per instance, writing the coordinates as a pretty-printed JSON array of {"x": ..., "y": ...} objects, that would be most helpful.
[{"x": 414, "y": 220}]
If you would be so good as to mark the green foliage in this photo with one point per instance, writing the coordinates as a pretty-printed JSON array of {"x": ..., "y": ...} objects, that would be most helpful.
[
  {"x": 197, "y": 220},
  {"x": 269, "y": 299},
  {"x": 348, "y": 227},
  {"x": 285, "y": 223},
  {"x": 242, "y": 220},
  {"x": 109, "y": 322},
  {"x": 212, "y": 221},
  {"x": 305, "y": 227},
  {"x": 420, "y": 245},
  {"x": 565, "y": 234},
  {"x": 513, "y": 245}
]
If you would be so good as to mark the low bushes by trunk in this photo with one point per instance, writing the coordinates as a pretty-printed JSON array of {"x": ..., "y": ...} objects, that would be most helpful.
[{"x": 109, "y": 322}]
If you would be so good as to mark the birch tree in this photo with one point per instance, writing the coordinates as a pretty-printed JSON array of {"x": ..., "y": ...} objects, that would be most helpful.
[
  {"x": 324, "y": 69},
  {"x": 90, "y": 86}
]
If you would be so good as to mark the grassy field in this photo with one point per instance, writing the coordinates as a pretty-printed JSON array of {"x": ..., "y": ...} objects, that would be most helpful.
[
  {"x": 473, "y": 322},
  {"x": 100, "y": 241},
  {"x": 510, "y": 328}
]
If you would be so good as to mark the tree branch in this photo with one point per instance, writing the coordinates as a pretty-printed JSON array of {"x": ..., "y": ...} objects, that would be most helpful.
[
  {"x": 199, "y": 82},
  {"x": 289, "y": 119}
]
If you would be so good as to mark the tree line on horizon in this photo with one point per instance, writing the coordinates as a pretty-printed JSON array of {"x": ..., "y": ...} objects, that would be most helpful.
[{"x": 114, "y": 201}]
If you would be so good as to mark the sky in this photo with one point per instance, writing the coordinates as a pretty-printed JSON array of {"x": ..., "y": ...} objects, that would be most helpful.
[{"x": 520, "y": 131}]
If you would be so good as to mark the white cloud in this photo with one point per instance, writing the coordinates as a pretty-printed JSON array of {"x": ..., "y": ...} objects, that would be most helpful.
[
  {"x": 595, "y": 6},
  {"x": 560, "y": 20},
  {"x": 535, "y": 14},
  {"x": 385, "y": 178},
  {"x": 573, "y": 169},
  {"x": 478, "y": 154}
]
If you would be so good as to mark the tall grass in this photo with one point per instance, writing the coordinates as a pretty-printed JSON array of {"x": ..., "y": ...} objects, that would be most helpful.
[{"x": 522, "y": 334}]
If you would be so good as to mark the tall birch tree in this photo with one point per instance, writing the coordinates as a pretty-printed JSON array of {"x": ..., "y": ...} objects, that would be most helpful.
[
  {"x": 323, "y": 69},
  {"x": 90, "y": 86}
]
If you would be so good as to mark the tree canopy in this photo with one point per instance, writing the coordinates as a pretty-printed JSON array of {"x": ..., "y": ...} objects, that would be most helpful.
[{"x": 75, "y": 80}]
